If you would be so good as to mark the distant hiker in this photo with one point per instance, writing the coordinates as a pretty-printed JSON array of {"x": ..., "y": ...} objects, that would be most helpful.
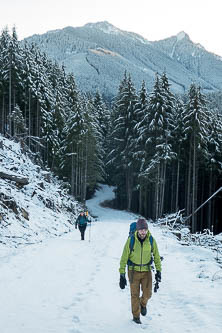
[
  {"x": 81, "y": 221},
  {"x": 139, "y": 260}
]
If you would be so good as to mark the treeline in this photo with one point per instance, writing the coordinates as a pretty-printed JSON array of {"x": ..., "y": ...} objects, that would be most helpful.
[
  {"x": 163, "y": 152},
  {"x": 166, "y": 152},
  {"x": 41, "y": 106}
]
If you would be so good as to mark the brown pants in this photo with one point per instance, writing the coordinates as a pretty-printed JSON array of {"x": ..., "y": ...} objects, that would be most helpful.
[{"x": 137, "y": 279}]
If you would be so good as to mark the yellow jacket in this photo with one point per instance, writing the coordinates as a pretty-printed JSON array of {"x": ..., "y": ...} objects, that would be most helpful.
[{"x": 141, "y": 255}]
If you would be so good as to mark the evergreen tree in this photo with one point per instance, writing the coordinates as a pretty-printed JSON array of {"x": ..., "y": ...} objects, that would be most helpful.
[
  {"x": 158, "y": 146},
  {"x": 196, "y": 132},
  {"x": 122, "y": 153},
  {"x": 214, "y": 163},
  {"x": 141, "y": 152},
  {"x": 18, "y": 122},
  {"x": 177, "y": 177},
  {"x": 101, "y": 119}
]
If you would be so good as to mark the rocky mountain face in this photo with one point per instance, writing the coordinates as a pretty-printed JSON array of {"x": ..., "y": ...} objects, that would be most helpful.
[
  {"x": 194, "y": 58},
  {"x": 99, "y": 53}
]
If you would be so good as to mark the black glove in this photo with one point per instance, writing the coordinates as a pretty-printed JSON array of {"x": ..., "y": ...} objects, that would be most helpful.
[
  {"x": 122, "y": 281},
  {"x": 158, "y": 276},
  {"x": 76, "y": 226}
]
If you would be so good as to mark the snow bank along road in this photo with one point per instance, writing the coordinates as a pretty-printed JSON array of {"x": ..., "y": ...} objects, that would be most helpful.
[{"x": 66, "y": 285}]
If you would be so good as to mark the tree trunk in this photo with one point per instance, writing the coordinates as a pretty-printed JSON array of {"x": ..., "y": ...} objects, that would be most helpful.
[
  {"x": 163, "y": 183},
  {"x": 145, "y": 201},
  {"x": 129, "y": 188},
  {"x": 3, "y": 114},
  {"x": 157, "y": 186},
  {"x": 140, "y": 199},
  {"x": 177, "y": 186},
  {"x": 188, "y": 184},
  {"x": 194, "y": 224},
  {"x": 85, "y": 174},
  {"x": 14, "y": 177},
  {"x": 38, "y": 127},
  {"x": 210, "y": 202},
  {"x": 10, "y": 101},
  {"x": 72, "y": 172},
  {"x": 29, "y": 130},
  {"x": 202, "y": 199}
]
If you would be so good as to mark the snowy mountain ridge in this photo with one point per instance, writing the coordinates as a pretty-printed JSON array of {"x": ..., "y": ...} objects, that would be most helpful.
[
  {"x": 108, "y": 28},
  {"x": 34, "y": 204},
  {"x": 184, "y": 61}
]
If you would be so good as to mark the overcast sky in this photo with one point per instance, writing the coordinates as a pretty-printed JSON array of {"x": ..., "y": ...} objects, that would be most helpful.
[{"x": 153, "y": 19}]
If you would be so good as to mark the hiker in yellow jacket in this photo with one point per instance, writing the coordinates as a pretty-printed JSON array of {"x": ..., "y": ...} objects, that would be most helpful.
[{"x": 139, "y": 260}]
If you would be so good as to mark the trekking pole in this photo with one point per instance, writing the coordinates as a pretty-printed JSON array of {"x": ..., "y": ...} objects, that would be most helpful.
[
  {"x": 90, "y": 231},
  {"x": 156, "y": 286}
]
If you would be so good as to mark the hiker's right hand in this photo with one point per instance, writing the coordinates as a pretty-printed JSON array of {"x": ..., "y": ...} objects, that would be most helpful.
[{"x": 122, "y": 281}]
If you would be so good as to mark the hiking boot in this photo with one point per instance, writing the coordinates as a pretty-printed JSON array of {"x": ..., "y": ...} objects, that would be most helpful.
[
  {"x": 143, "y": 310},
  {"x": 137, "y": 320}
]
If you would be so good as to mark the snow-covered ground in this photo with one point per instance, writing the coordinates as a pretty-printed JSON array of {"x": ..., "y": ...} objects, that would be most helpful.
[
  {"x": 34, "y": 212},
  {"x": 65, "y": 285}
]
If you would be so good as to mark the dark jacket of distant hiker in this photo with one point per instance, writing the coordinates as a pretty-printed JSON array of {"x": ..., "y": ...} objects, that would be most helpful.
[{"x": 81, "y": 222}]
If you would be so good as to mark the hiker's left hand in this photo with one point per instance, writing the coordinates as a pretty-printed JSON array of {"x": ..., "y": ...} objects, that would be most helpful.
[{"x": 158, "y": 276}]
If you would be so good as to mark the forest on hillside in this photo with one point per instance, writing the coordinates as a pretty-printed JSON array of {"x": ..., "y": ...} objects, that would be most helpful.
[{"x": 162, "y": 152}]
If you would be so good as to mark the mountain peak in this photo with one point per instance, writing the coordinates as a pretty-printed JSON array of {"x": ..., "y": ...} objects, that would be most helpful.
[
  {"x": 104, "y": 26},
  {"x": 182, "y": 35}
]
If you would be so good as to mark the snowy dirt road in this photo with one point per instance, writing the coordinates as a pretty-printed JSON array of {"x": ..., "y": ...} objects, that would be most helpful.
[{"x": 65, "y": 285}]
